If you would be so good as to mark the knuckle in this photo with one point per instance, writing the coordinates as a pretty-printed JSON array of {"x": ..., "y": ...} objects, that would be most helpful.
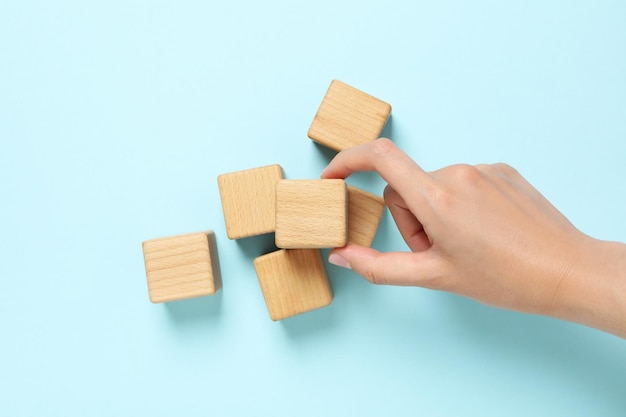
[
  {"x": 440, "y": 278},
  {"x": 437, "y": 195},
  {"x": 506, "y": 169},
  {"x": 454, "y": 180},
  {"x": 485, "y": 168},
  {"x": 383, "y": 146},
  {"x": 436, "y": 283},
  {"x": 375, "y": 275},
  {"x": 467, "y": 173}
]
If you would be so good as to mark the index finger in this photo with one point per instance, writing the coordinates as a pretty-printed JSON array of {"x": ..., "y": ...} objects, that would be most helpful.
[{"x": 384, "y": 157}]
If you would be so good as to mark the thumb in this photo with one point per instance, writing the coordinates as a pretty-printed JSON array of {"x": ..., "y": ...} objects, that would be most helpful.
[{"x": 422, "y": 269}]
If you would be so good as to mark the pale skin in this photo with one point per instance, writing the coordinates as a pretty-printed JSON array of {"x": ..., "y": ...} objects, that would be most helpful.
[{"x": 484, "y": 232}]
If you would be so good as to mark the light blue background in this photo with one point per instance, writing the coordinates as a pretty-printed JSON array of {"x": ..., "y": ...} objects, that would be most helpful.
[{"x": 116, "y": 118}]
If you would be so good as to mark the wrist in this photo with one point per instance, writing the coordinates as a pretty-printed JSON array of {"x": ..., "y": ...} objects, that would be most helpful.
[{"x": 594, "y": 291}]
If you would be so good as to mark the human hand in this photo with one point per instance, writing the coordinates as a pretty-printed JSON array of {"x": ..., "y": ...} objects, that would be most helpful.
[{"x": 483, "y": 232}]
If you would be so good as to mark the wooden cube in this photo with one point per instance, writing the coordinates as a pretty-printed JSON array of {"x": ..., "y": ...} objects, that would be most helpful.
[
  {"x": 180, "y": 267},
  {"x": 311, "y": 213},
  {"x": 348, "y": 117},
  {"x": 365, "y": 210},
  {"x": 249, "y": 200},
  {"x": 293, "y": 281}
]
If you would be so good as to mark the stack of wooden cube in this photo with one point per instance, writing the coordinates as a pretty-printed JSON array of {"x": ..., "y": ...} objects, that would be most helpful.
[{"x": 305, "y": 215}]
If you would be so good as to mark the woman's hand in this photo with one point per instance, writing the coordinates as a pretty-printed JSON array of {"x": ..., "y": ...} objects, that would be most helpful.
[{"x": 484, "y": 232}]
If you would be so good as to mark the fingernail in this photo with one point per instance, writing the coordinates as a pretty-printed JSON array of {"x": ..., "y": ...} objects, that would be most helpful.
[{"x": 339, "y": 261}]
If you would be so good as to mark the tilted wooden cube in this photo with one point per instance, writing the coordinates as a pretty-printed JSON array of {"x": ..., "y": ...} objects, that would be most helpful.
[
  {"x": 293, "y": 281},
  {"x": 365, "y": 210},
  {"x": 311, "y": 213},
  {"x": 249, "y": 200},
  {"x": 348, "y": 117},
  {"x": 180, "y": 267}
]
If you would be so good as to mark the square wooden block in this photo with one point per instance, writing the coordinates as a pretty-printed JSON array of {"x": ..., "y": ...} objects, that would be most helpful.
[
  {"x": 311, "y": 214},
  {"x": 180, "y": 267},
  {"x": 293, "y": 281},
  {"x": 348, "y": 117},
  {"x": 365, "y": 210},
  {"x": 249, "y": 200}
]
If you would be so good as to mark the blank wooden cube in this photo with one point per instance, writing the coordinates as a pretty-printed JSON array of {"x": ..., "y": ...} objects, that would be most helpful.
[
  {"x": 365, "y": 210},
  {"x": 180, "y": 267},
  {"x": 293, "y": 281},
  {"x": 311, "y": 213},
  {"x": 348, "y": 117},
  {"x": 249, "y": 200}
]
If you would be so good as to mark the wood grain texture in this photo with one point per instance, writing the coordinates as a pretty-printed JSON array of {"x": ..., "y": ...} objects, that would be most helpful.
[
  {"x": 348, "y": 117},
  {"x": 365, "y": 210},
  {"x": 293, "y": 281},
  {"x": 180, "y": 267},
  {"x": 249, "y": 200},
  {"x": 311, "y": 213}
]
